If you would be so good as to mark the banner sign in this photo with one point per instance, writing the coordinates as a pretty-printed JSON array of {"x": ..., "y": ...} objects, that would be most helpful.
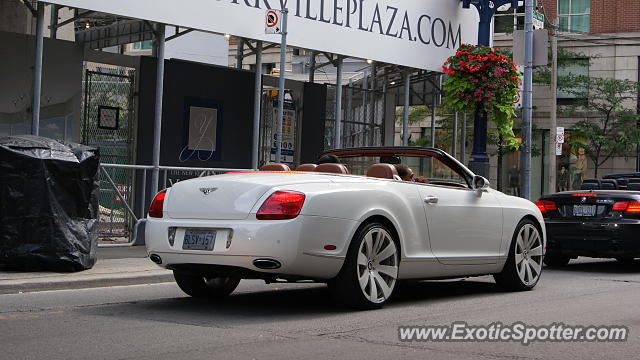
[{"x": 420, "y": 34}]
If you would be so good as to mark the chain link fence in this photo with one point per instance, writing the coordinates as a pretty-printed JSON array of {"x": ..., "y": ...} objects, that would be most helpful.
[{"x": 109, "y": 124}]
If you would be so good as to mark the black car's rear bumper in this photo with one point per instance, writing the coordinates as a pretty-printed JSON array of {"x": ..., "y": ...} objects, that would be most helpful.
[{"x": 594, "y": 238}]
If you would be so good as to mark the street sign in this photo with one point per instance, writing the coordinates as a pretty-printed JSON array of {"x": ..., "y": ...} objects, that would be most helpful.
[
  {"x": 560, "y": 135},
  {"x": 273, "y": 20},
  {"x": 558, "y": 149},
  {"x": 538, "y": 20}
]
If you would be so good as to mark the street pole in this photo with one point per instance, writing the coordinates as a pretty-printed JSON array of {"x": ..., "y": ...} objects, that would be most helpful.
[
  {"x": 527, "y": 110},
  {"x": 53, "y": 34},
  {"x": 554, "y": 106},
  {"x": 405, "y": 117},
  {"x": 463, "y": 139},
  {"x": 312, "y": 67},
  {"x": 280, "y": 113},
  {"x": 37, "y": 71},
  {"x": 257, "y": 105},
  {"x": 454, "y": 140},
  {"x": 479, "y": 163},
  {"x": 157, "y": 119},
  {"x": 338, "y": 113}
]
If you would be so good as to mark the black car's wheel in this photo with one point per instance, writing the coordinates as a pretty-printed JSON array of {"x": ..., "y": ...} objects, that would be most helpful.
[
  {"x": 524, "y": 264},
  {"x": 369, "y": 275},
  {"x": 202, "y": 287},
  {"x": 556, "y": 259}
]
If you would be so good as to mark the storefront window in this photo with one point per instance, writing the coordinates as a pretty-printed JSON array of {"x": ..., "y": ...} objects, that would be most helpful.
[
  {"x": 511, "y": 172},
  {"x": 572, "y": 166}
]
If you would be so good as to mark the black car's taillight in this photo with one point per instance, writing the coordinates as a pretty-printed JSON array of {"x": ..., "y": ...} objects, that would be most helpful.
[{"x": 546, "y": 206}]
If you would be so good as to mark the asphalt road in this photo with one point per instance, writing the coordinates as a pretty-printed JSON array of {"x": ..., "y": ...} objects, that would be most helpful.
[{"x": 283, "y": 321}]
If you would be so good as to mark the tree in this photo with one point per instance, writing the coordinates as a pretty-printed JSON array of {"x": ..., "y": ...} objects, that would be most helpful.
[{"x": 614, "y": 129}]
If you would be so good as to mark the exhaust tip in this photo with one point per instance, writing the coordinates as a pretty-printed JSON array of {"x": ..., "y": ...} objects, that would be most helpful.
[
  {"x": 155, "y": 258},
  {"x": 267, "y": 264}
]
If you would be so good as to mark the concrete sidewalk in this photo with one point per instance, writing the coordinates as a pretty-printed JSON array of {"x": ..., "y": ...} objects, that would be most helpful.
[{"x": 115, "y": 266}]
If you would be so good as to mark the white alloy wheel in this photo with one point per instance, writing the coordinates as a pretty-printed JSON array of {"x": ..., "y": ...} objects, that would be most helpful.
[
  {"x": 377, "y": 265},
  {"x": 369, "y": 274},
  {"x": 524, "y": 265},
  {"x": 528, "y": 254}
]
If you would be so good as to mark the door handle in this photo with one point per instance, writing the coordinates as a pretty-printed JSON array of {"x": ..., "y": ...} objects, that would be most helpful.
[{"x": 431, "y": 199}]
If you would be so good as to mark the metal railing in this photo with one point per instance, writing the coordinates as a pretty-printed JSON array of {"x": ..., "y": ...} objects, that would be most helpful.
[{"x": 123, "y": 195}]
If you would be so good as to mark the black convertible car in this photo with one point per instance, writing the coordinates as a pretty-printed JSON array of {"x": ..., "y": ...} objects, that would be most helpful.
[{"x": 601, "y": 220}]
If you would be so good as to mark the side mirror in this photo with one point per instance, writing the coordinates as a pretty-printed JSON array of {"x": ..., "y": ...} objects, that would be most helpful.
[{"x": 480, "y": 183}]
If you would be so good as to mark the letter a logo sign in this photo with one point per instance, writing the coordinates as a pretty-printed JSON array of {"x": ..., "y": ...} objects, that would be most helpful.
[{"x": 273, "y": 18}]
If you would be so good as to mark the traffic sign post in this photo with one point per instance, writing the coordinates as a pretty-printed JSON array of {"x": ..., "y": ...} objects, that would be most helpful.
[{"x": 276, "y": 23}]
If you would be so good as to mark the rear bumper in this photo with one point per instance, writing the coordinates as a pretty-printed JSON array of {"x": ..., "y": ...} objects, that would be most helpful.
[
  {"x": 594, "y": 238},
  {"x": 298, "y": 245}
]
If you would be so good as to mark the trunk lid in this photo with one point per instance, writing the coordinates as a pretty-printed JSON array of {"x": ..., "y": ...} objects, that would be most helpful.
[
  {"x": 229, "y": 196},
  {"x": 588, "y": 205}
]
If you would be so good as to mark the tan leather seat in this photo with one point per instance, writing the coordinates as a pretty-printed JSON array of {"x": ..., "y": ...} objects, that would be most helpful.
[
  {"x": 306, "y": 167},
  {"x": 332, "y": 168},
  {"x": 382, "y": 171},
  {"x": 275, "y": 167}
]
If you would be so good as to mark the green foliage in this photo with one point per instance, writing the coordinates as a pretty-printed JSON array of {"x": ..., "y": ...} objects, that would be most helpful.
[
  {"x": 484, "y": 79},
  {"x": 614, "y": 132}
]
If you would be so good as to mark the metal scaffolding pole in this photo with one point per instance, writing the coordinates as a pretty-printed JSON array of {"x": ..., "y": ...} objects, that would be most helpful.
[
  {"x": 157, "y": 120},
  {"x": 349, "y": 110},
  {"x": 312, "y": 67},
  {"x": 54, "y": 21},
  {"x": 454, "y": 139},
  {"x": 553, "y": 120},
  {"x": 338, "y": 116},
  {"x": 433, "y": 117},
  {"x": 405, "y": 114},
  {"x": 37, "y": 71},
  {"x": 280, "y": 113},
  {"x": 239, "y": 53},
  {"x": 527, "y": 110},
  {"x": 372, "y": 102},
  {"x": 257, "y": 105}
]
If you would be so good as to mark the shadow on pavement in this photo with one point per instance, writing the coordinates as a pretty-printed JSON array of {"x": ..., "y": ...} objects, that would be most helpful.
[
  {"x": 605, "y": 266},
  {"x": 265, "y": 306}
]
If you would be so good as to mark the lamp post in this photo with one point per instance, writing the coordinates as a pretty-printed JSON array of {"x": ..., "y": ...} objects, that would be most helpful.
[{"x": 479, "y": 163}]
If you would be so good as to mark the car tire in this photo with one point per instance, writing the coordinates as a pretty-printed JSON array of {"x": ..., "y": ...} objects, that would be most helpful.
[
  {"x": 202, "y": 287},
  {"x": 369, "y": 274},
  {"x": 524, "y": 264},
  {"x": 556, "y": 259}
]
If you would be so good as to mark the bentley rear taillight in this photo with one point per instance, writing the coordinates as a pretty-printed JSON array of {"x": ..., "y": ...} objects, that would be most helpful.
[
  {"x": 281, "y": 205},
  {"x": 546, "y": 205},
  {"x": 157, "y": 205}
]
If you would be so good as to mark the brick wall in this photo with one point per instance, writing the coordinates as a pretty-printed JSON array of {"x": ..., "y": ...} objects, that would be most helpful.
[{"x": 607, "y": 16}]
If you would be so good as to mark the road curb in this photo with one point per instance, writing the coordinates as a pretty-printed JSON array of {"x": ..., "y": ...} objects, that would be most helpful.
[{"x": 20, "y": 286}]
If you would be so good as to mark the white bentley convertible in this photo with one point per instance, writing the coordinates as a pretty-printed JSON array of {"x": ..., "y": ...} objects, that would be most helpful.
[{"x": 355, "y": 225}]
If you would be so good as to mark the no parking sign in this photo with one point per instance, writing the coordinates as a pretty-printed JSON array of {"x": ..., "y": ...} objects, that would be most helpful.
[{"x": 273, "y": 20}]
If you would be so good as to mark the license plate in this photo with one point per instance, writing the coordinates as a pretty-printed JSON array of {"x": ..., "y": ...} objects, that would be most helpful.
[
  {"x": 199, "y": 240},
  {"x": 584, "y": 210}
]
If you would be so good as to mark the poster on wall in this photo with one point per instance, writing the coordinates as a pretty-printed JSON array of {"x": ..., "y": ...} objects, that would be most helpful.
[
  {"x": 288, "y": 132},
  {"x": 202, "y": 129}
]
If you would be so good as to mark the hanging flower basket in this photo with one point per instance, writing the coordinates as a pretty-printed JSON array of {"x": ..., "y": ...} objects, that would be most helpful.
[{"x": 481, "y": 78}]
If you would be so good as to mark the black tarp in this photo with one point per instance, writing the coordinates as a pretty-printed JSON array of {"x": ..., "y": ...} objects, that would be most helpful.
[{"x": 48, "y": 204}]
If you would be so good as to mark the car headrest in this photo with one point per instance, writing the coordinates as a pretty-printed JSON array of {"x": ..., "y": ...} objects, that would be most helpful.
[
  {"x": 622, "y": 183},
  {"x": 609, "y": 184},
  {"x": 306, "y": 167},
  {"x": 633, "y": 186},
  {"x": 275, "y": 167},
  {"x": 332, "y": 168},
  {"x": 590, "y": 186},
  {"x": 382, "y": 171}
]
